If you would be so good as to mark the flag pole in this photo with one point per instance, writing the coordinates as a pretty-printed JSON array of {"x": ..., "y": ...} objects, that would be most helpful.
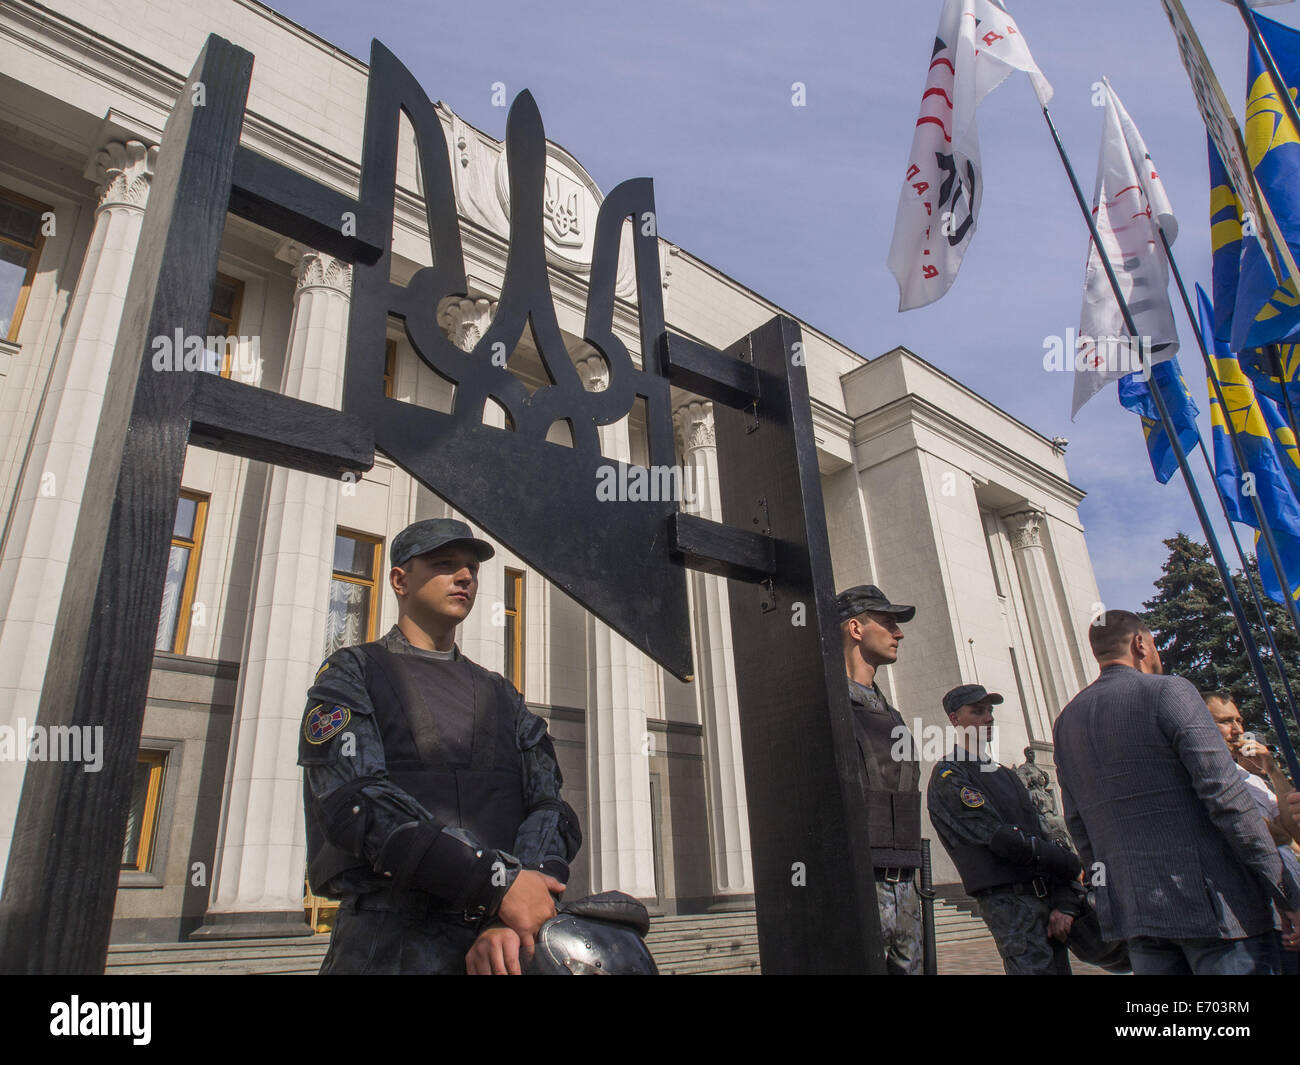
[
  {"x": 1252, "y": 649},
  {"x": 1289, "y": 106},
  {"x": 1266, "y": 530},
  {"x": 1279, "y": 86},
  {"x": 1193, "y": 491},
  {"x": 1275, "y": 356}
]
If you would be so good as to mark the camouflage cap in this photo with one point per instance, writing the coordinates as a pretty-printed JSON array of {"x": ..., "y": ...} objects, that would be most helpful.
[
  {"x": 966, "y": 694},
  {"x": 853, "y": 601},
  {"x": 422, "y": 537}
]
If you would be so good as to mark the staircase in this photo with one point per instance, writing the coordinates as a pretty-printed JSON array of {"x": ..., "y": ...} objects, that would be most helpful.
[
  {"x": 955, "y": 925},
  {"x": 718, "y": 943},
  {"x": 713, "y": 943},
  {"x": 290, "y": 957}
]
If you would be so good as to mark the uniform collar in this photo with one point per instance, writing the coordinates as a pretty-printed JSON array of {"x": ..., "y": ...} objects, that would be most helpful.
[
  {"x": 961, "y": 756},
  {"x": 395, "y": 640},
  {"x": 856, "y": 690}
]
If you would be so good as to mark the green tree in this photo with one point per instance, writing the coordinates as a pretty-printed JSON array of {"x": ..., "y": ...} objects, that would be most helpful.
[{"x": 1198, "y": 639}]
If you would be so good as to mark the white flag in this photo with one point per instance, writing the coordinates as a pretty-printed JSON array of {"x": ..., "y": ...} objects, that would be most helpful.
[
  {"x": 1129, "y": 205},
  {"x": 977, "y": 47}
]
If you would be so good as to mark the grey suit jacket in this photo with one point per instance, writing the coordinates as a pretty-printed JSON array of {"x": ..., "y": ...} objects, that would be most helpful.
[{"x": 1151, "y": 792}]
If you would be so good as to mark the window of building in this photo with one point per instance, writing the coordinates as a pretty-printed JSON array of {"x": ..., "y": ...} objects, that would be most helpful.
[
  {"x": 514, "y": 615},
  {"x": 223, "y": 321},
  {"x": 20, "y": 249},
  {"x": 142, "y": 820},
  {"x": 354, "y": 590},
  {"x": 390, "y": 366},
  {"x": 182, "y": 573}
]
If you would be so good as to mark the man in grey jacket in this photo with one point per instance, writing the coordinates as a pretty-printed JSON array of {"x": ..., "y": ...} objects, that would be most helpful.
[{"x": 1183, "y": 867}]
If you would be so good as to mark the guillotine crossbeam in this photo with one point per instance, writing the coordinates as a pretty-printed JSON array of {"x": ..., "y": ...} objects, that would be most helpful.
[
  {"x": 711, "y": 547},
  {"x": 254, "y": 423},
  {"x": 279, "y": 198},
  {"x": 708, "y": 372}
]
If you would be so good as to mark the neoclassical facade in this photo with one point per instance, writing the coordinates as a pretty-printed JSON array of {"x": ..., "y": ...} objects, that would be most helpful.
[{"x": 930, "y": 491}]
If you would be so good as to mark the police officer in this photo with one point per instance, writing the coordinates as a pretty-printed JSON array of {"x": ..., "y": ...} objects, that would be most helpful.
[
  {"x": 432, "y": 794},
  {"x": 1025, "y": 884},
  {"x": 870, "y": 633}
]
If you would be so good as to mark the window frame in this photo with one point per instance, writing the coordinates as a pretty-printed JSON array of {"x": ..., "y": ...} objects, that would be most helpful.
[
  {"x": 20, "y": 306},
  {"x": 390, "y": 366},
  {"x": 236, "y": 308},
  {"x": 180, "y": 639},
  {"x": 147, "y": 848},
  {"x": 377, "y": 543},
  {"x": 515, "y": 577}
]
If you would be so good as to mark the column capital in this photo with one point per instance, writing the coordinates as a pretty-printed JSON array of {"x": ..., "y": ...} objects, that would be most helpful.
[
  {"x": 315, "y": 269},
  {"x": 465, "y": 321},
  {"x": 594, "y": 373},
  {"x": 1023, "y": 527},
  {"x": 693, "y": 421},
  {"x": 123, "y": 172}
]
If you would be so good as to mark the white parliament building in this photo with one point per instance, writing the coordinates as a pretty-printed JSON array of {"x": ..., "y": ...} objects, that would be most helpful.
[{"x": 930, "y": 491}]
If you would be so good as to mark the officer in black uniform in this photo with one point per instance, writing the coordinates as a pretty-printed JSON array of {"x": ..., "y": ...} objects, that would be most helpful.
[
  {"x": 869, "y": 629},
  {"x": 432, "y": 794},
  {"x": 1026, "y": 885}
]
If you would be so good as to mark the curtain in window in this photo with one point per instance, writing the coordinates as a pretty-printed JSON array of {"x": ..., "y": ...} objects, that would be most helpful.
[
  {"x": 348, "y": 616},
  {"x": 173, "y": 591}
]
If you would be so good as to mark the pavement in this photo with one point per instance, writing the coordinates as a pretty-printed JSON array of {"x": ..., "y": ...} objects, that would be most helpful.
[{"x": 979, "y": 957}]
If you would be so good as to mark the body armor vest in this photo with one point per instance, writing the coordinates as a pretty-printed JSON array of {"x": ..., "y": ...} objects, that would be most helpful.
[
  {"x": 892, "y": 790},
  {"x": 978, "y": 866},
  {"x": 460, "y": 763}
]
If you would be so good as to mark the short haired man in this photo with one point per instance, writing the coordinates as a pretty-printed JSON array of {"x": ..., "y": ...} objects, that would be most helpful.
[
  {"x": 1025, "y": 884},
  {"x": 1153, "y": 799},
  {"x": 870, "y": 634},
  {"x": 432, "y": 794},
  {"x": 1254, "y": 762}
]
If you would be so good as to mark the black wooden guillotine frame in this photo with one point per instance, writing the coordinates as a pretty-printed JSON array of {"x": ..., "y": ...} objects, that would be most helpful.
[{"x": 624, "y": 561}]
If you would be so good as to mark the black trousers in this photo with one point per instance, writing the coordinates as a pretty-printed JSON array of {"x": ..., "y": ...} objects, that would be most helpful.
[{"x": 376, "y": 935}]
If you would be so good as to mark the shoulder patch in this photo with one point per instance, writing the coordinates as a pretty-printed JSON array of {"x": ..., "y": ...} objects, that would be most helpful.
[
  {"x": 322, "y": 722},
  {"x": 322, "y": 669},
  {"x": 972, "y": 798},
  {"x": 945, "y": 774}
]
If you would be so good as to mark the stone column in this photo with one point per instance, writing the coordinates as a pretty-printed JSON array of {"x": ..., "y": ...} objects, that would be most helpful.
[
  {"x": 1045, "y": 622},
  {"x": 257, "y": 887},
  {"x": 482, "y": 636},
  {"x": 618, "y": 743},
  {"x": 715, "y": 680},
  {"x": 48, "y": 499}
]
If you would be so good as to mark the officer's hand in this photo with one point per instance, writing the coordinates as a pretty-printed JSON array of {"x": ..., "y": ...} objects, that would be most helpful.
[
  {"x": 494, "y": 953},
  {"x": 1290, "y": 930},
  {"x": 1059, "y": 925},
  {"x": 1293, "y": 801},
  {"x": 528, "y": 905}
]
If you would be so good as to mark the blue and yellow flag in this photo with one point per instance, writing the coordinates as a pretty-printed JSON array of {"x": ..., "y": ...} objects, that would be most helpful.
[
  {"x": 1135, "y": 394},
  {"x": 1266, "y": 310},
  {"x": 1259, "y": 367},
  {"x": 1225, "y": 243},
  {"x": 1272, "y": 466}
]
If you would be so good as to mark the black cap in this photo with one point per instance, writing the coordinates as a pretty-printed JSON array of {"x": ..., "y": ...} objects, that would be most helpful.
[
  {"x": 422, "y": 537},
  {"x": 965, "y": 694},
  {"x": 853, "y": 601}
]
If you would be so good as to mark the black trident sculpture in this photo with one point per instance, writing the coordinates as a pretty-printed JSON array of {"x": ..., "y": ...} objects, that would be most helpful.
[{"x": 814, "y": 887}]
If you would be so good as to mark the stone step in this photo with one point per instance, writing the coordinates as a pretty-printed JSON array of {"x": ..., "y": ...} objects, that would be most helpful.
[{"x": 721, "y": 943}]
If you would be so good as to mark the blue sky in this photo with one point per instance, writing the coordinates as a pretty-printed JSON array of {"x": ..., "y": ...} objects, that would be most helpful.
[{"x": 798, "y": 203}]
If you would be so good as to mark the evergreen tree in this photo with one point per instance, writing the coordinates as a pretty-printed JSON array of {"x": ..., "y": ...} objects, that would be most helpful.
[{"x": 1198, "y": 639}]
